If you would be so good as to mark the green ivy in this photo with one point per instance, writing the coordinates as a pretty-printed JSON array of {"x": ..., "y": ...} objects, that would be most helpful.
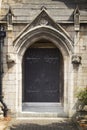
[{"x": 82, "y": 96}]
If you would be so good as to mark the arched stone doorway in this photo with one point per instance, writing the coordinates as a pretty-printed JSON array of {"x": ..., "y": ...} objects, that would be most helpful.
[
  {"x": 59, "y": 40},
  {"x": 43, "y": 77}
]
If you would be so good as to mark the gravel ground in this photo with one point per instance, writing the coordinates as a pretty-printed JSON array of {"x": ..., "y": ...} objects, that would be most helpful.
[{"x": 43, "y": 124}]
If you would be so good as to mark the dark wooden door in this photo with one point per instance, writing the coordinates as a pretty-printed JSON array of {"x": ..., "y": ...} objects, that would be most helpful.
[{"x": 41, "y": 75}]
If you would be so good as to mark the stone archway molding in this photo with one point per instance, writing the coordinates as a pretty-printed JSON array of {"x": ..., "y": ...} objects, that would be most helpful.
[{"x": 43, "y": 26}]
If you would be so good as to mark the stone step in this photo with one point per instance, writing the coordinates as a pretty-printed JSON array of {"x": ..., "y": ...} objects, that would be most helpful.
[
  {"x": 42, "y": 107},
  {"x": 43, "y": 115},
  {"x": 42, "y": 110},
  {"x": 43, "y": 124}
]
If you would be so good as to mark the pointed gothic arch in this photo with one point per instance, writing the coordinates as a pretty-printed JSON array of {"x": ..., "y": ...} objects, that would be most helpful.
[
  {"x": 37, "y": 33},
  {"x": 43, "y": 27}
]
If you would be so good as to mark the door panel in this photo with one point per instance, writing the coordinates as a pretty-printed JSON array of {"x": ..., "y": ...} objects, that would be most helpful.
[{"x": 42, "y": 75}]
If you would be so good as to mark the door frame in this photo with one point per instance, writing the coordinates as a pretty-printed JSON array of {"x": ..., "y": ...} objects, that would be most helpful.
[
  {"x": 19, "y": 89},
  {"x": 65, "y": 47}
]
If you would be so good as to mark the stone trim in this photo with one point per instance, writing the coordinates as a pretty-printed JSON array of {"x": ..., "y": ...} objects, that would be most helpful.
[
  {"x": 44, "y": 26},
  {"x": 40, "y": 32}
]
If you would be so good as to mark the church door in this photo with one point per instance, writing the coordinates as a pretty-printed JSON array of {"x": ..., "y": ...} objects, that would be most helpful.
[{"x": 42, "y": 75}]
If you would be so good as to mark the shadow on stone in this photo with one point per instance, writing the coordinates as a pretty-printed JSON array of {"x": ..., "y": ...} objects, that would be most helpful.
[{"x": 61, "y": 125}]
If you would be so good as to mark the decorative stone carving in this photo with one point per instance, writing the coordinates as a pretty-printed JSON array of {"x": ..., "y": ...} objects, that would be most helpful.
[
  {"x": 76, "y": 59},
  {"x": 43, "y": 22},
  {"x": 9, "y": 16},
  {"x": 77, "y": 19},
  {"x": 10, "y": 58},
  {"x": 43, "y": 19}
]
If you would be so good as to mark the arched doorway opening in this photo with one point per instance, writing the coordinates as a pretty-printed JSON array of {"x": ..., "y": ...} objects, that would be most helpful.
[
  {"x": 61, "y": 42},
  {"x": 43, "y": 76}
]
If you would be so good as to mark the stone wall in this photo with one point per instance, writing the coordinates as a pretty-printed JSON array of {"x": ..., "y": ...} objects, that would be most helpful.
[{"x": 62, "y": 12}]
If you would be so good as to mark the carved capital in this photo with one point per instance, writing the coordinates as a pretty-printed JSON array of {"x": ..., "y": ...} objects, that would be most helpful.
[
  {"x": 76, "y": 59},
  {"x": 10, "y": 58}
]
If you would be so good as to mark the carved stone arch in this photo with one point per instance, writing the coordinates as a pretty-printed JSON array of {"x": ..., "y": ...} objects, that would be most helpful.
[
  {"x": 45, "y": 32},
  {"x": 43, "y": 26}
]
